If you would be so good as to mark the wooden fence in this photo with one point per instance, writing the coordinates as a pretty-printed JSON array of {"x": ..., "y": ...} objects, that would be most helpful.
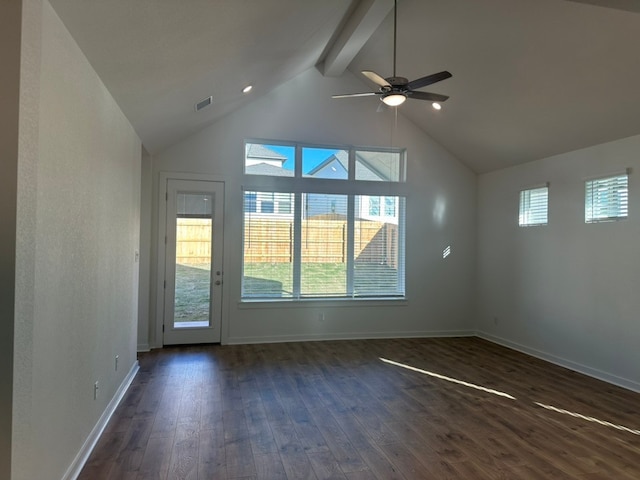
[
  {"x": 271, "y": 241},
  {"x": 322, "y": 241},
  {"x": 193, "y": 241}
]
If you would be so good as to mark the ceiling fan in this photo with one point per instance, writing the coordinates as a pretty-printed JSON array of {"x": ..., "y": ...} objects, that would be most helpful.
[{"x": 395, "y": 90}]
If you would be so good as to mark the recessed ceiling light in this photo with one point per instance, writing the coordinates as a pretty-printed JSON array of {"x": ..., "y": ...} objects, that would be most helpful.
[
  {"x": 247, "y": 89},
  {"x": 436, "y": 105}
]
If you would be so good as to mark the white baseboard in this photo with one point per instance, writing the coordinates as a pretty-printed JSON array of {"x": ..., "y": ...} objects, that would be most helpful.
[
  {"x": 83, "y": 455},
  {"x": 563, "y": 362},
  {"x": 143, "y": 347},
  {"x": 347, "y": 336}
]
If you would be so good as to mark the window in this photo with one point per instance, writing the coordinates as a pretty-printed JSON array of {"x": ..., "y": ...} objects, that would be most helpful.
[
  {"x": 267, "y": 203},
  {"x": 534, "y": 207},
  {"x": 374, "y": 206},
  {"x": 325, "y": 163},
  {"x": 318, "y": 238},
  {"x": 389, "y": 207},
  {"x": 284, "y": 203},
  {"x": 250, "y": 202},
  {"x": 265, "y": 159},
  {"x": 606, "y": 199},
  {"x": 379, "y": 166}
]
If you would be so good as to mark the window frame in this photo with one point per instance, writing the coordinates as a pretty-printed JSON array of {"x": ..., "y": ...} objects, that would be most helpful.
[
  {"x": 525, "y": 210},
  {"x": 589, "y": 207},
  {"x": 298, "y": 185}
]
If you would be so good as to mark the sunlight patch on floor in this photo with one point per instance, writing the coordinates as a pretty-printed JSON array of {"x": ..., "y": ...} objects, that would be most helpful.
[
  {"x": 589, "y": 419},
  {"x": 506, "y": 395},
  {"x": 449, "y": 379}
]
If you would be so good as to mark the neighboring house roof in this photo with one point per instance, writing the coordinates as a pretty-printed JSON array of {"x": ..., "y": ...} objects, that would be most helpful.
[
  {"x": 341, "y": 157},
  {"x": 369, "y": 168},
  {"x": 377, "y": 164},
  {"x": 258, "y": 151},
  {"x": 366, "y": 169},
  {"x": 266, "y": 169}
]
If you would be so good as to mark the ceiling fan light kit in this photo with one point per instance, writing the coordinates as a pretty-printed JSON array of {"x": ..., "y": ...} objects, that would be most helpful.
[
  {"x": 395, "y": 90},
  {"x": 394, "y": 99}
]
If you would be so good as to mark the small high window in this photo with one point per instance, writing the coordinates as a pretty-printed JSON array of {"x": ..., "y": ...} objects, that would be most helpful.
[
  {"x": 606, "y": 199},
  {"x": 534, "y": 207}
]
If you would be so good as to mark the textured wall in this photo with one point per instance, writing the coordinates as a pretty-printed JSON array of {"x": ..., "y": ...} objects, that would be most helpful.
[
  {"x": 567, "y": 291},
  {"x": 31, "y": 49},
  {"x": 440, "y": 212},
  {"x": 79, "y": 304}
]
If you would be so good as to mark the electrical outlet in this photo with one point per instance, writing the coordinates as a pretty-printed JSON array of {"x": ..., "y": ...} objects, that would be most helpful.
[
  {"x": 117, "y": 358},
  {"x": 321, "y": 317},
  {"x": 95, "y": 391}
]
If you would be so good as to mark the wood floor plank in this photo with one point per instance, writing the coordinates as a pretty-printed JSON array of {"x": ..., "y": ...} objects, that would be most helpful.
[
  {"x": 405, "y": 461},
  {"x": 451, "y": 408},
  {"x": 269, "y": 467},
  {"x": 325, "y": 466},
  {"x": 342, "y": 449},
  {"x": 212, "y": 459},
  {"x": 360, "y": 475},
  {"x": 237, "y": 445},
  {"x": 132, "y": 450},
  {"x": 294, "y": 459},
  {"x": 156, "y": 459},
  {"x": 184, "y": 455}
]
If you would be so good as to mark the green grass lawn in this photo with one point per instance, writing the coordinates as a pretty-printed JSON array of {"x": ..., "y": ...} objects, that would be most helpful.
[
  {"x": 192, "y": 293},
  {"x": 276, "y": 280},
  {"x": 317, "y": 279}
]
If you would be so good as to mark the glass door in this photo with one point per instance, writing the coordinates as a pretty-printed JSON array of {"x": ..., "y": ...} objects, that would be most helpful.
[{"x": 193, "y": 264}]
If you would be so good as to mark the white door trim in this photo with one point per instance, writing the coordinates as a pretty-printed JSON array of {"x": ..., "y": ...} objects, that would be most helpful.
[{"x": 158, "y": 318}]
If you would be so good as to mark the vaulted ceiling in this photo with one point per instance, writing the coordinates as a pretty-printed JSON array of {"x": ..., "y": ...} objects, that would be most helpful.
[{"x": 531, "y": 78}]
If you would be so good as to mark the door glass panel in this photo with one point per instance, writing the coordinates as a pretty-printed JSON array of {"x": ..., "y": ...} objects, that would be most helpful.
[{"x": 193, "y": 260}]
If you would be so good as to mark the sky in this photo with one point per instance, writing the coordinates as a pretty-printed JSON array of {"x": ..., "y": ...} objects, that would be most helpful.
[{"x": 311, "y": 156}]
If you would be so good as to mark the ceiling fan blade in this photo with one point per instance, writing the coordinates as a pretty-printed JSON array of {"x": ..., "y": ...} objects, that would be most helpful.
[
  {"x": 428, "y": 80},
  {"x": 432, "y": 97},
  {"x": 347, "y": 95},
  {"x": 375, "y": 78}
]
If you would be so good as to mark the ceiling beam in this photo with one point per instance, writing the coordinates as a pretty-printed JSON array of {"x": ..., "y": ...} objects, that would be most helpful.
[
  {"x": 365, "y": 19},
  {"x": 628, "y": 5}
]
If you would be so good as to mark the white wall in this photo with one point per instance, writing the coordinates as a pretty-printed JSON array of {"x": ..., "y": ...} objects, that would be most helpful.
[
  {"x": 440, "y": 212},
  {"x": 567, "y": 292},
  {"x": 78, "y": 224},
  {"x": 146, "y": 190}
]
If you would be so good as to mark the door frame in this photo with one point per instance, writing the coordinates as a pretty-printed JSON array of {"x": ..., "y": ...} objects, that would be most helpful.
[{"x": 163, "y": 180}]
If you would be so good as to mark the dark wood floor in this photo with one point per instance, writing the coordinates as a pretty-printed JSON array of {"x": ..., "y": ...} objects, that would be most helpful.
[{"x": 335, "y": 410}]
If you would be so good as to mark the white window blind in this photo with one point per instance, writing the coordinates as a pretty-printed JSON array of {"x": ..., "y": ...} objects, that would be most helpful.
[
  {"x": 606, "y": 199},
  {"x": 378, "y": 253},
  {"x": 323, "y": 253},
  {"x": 534, "y": 207},
  {"x": 268, "y": 250}
]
